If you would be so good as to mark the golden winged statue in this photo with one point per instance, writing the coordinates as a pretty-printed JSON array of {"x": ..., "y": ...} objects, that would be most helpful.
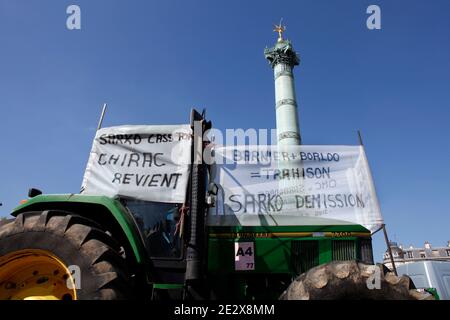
[{"x": 280, "y": 29}]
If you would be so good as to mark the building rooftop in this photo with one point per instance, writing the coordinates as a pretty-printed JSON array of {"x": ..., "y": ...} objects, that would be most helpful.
[{"x": 403, "y": 255}]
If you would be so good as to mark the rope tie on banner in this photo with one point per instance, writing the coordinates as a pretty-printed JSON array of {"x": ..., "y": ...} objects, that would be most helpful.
[{"x": 179, "y": 226}]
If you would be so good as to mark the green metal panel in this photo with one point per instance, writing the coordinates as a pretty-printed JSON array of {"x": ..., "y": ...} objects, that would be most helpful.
[
  {"x": 270, "y": 255},
  {"x": 114, "y": 206},
  {"x": 325, "y": 253},
  {"x": 273, "y": 246},
  {"x": 221, "y": 256},
  {"x": 168, "y": 286}
]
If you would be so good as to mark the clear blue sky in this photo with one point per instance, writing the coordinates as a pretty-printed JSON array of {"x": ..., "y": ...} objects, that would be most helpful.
[{"x": 151, "y": 61}]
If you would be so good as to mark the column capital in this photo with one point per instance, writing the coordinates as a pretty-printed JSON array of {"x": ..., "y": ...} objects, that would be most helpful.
[{"x": 282, "y": 52}]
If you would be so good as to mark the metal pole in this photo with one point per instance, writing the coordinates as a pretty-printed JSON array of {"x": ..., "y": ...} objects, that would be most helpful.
[
  {"x": 389, "y": 249},
  {"x": 100, "y": 121},
  {"x": 101, "y": 117},
  {"x": 377, "y": 230}
]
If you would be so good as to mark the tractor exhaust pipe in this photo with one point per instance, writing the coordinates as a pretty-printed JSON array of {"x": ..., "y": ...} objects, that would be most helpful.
[{"x": 196, "y": 248}]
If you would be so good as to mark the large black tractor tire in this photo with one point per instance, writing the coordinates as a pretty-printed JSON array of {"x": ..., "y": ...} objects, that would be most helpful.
[
  {"x": 348, "y": 280},
  {"x": 71, "y": 240}
]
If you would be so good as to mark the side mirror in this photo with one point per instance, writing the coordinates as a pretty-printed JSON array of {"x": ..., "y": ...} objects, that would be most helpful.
[{"x": 33, "y": 192}]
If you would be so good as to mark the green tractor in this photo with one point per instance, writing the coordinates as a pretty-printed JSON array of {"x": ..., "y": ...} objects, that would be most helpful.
[{"x": 84, "y": 246}]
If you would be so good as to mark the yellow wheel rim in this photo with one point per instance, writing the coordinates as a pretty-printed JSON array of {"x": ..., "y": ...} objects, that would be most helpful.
[{"x": 34, "y": 274}]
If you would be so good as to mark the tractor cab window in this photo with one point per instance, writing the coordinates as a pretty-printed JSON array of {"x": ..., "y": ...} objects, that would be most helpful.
[{"x": 159, "y": 223}]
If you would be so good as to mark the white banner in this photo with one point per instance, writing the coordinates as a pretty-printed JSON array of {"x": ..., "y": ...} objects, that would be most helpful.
[
  {"x": 288, "y": 185},
  {"x": 144, "y": 162}
]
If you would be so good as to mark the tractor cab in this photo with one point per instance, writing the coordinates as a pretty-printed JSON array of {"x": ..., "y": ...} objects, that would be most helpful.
[{"x": 160, "y": 226}]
